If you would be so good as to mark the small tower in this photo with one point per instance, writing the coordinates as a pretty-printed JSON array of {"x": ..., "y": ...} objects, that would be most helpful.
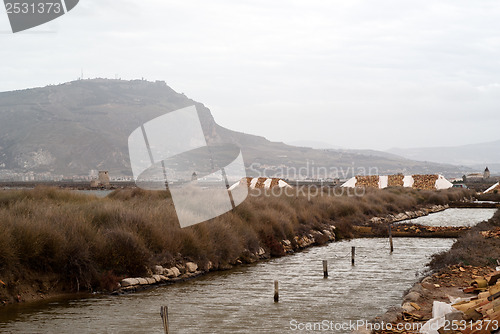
[
  {"x": 487, "y": 173},
  {"x": 104, "y": 178},
  {"x": 194, "y": 177}
]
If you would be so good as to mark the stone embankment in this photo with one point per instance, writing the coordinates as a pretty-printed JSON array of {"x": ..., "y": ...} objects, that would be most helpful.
[
  {"x": 417, "y": 230},
  {"x": 161, "y": 275},
  {"x": 184, "y": 271},
  {"x": 378, "y": 226},
  {"x": 389, "y": 219},
  {"x": 471, "y": 296}
]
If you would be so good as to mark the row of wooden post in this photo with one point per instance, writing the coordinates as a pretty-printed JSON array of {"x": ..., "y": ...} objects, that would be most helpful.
[
  {"x": 390, "y": 238},
  {"x": 325, "y": 265},
  {"x": 164, "y": 318},
  {"x": 164, "y": 309}
]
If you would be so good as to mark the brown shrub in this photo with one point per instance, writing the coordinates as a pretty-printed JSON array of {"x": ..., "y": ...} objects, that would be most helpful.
[
  {"x": 108, "y": 281},
  {"x": 124, "y": 253},
  {"x": 89, "y": 240},
  {"x": 472, "y": 248},
  {"x": 8, "y": 254}
]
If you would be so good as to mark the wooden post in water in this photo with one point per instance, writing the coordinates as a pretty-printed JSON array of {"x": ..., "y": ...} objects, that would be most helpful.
[
  {"x": 276, "y": 292},
  {"x": 325, "y": 269},
  {"x": 390, "y": 238},
  {"x": 164, "y": 318},
  {"x": 353, "y": 254}
]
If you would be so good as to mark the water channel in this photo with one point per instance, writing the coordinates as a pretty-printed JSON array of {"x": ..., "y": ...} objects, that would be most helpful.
[{"x": 241, "y": 300}]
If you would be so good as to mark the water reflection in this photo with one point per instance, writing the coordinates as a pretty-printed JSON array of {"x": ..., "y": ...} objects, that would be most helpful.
[
  {"x": 455, "y": 217},
  {"x": 241, "y": 300}
]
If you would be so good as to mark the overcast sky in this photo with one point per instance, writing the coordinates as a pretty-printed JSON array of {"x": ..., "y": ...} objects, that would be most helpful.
[{"x": 352, "y": 73}]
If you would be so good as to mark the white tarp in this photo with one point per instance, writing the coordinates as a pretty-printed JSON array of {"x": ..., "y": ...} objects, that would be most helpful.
[
  {"x": 439, "y": 312},
  {"x": 383, "y": 181},
  {"x": 255, "y": 180},
  {"x": 408, "y": 181},
  {"x": 442, "y": 183},
  {"x": 283, "y": 184},
  {"x": 351, "y": 183}
]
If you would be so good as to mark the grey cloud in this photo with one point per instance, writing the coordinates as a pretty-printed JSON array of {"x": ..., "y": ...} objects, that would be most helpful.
[{"x": 340, "y": 61}]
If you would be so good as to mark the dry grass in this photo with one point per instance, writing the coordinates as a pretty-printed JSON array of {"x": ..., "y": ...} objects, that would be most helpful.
[
  {"x": 472, "y": 248},
  {"x": 87, "y": 240}
]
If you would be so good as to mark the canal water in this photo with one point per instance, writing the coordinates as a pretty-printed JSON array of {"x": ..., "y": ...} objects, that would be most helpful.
[
  {"x": 97, "y": 193},
  {"x": 241, "y": 300},
  {"x": 454, "y": 217}
]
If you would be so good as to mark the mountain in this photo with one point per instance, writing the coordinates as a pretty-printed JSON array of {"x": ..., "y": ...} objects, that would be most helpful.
[
  {"x": 477, "y": 156},
  {"x": 313, "y": 144},
  {"x": 73, "y": 128}
]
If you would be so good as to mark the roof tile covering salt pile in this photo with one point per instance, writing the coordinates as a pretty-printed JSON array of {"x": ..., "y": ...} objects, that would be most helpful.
[
  {"x": 487, "y": 304},
  {"x": 261, "y": 183},
  {"x": 425, "y": 182},
  {"x": 491, "y": 233},
  {"x": 370, "y": 181},
  {"x": 480, "y": 314},
  {"x": 395, "y": 180}
]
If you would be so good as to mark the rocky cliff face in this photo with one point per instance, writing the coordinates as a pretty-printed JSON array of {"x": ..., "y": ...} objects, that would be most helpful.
[
  {"x": 80, "y": 126},
  {"x": 83, "y": 125}
]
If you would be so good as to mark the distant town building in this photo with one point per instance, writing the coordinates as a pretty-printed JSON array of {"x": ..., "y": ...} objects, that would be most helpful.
[
  {"x": 487, "y": 173},
  {"x": 102, "y": 181},
  {"x": 478, "y": 177},
  {"x": 457, "y": 179},
  {"x": 474, "y": 177},
  {"x": 104, "y": 178}
]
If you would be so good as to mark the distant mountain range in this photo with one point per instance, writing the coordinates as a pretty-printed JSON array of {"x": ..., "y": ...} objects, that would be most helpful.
[
  {"x": 72, "y": 128},
  {"x": 313, "y": 144},
  {"x": 476, "y": 156}
]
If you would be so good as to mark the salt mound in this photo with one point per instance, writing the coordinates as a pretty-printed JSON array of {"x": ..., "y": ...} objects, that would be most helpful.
[
  {"x": 428, "y": 182},
  {"x": 494, "y": 187},
  {"x": 261, "y": 183}
]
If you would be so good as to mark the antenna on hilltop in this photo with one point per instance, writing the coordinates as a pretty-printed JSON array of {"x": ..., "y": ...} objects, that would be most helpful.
[{"x": 81, "y": 78}]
